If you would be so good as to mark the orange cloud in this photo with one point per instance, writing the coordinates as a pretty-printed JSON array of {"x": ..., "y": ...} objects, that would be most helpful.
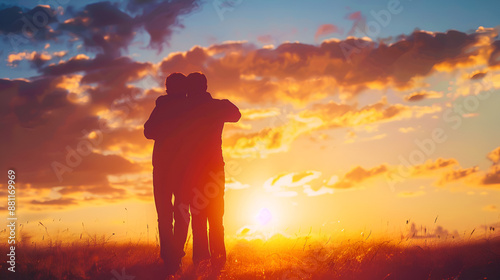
[
  {"x": 326, "y": 29},
  {"x": 40, "y": 112},
  {"x": 269, "y": 140},
  {"x": 357, "y": 175},
  {"x": 430, "y": 166},
  {"x": 492, "y": 176},
  {"x": 259, "y": 113},
  {"x": 494, "y": 155},
  {"x": 333, "y": 67},
  {"x": 458, "y": 174},
  {"x": 343, "y": 115},
  {"x": 40, "y": 57}
]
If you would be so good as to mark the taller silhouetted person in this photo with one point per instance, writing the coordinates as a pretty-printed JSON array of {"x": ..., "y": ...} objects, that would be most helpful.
[
  {"x": 206, "y": 117},
  {"x": 166, "y": 127}
]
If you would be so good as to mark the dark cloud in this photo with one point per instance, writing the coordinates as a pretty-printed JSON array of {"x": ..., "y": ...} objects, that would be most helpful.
[
  {"x": 492, "y": 177},
  {"x": 495, "y": 55},
  {"x": 421, "y": 95},
  {"x": 160, "y": 18},
  {"x": 478, "y": 76},
  {"x": 43, "y": 127},
  {"x": 31, "y": 101},
  {"x": 102, "y": 69},
  {"x": 20, "y": 24},
  {"x": 104, "y": 27}
]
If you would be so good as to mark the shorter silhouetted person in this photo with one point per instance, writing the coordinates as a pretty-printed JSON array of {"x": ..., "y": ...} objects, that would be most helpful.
[
  {"x": 169, "y": 166},
  {"x": 205, "y": 121}
]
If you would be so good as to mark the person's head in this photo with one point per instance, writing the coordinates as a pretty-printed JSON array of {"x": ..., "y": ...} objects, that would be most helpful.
[
  {"x": 175, "y": 84},
  {"x": 197, "y": 83}
]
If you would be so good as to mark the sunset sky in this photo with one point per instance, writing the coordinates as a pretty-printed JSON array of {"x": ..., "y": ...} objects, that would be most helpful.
[{"x": 357, "y": 116}]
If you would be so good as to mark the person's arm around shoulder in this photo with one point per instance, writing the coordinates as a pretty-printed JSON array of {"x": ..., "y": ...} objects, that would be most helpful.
[{"x": 229, "y": 111}]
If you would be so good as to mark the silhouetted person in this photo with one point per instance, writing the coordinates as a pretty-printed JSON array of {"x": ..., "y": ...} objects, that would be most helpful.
[
  {"x": 205, "y": 195},
  {"x": 188, "y": 164},
  {"x": 165, "y": 126}
]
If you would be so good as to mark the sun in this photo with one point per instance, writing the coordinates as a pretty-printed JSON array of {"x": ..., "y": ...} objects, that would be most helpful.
[{"x": 264, "y": 216}]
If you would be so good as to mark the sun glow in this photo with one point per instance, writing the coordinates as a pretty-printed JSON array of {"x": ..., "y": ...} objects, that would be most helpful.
[{"x": 264, "y": 216}]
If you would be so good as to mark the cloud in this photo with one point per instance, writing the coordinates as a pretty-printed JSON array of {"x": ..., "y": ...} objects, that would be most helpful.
[
  {"x": 18, "y": 25},
  {"x": 474, "y": 176},
  {"x": 494, "y": 155},
  {"x": 478, "y": 76},
  {"x": 357, "y": 175},
  {"x": 30, "y": 101},
  {"x": 430, "y": 166},
  {"x": 74, "y": 99},
  {"x": 104, "y": 27},
  {"x": 309, "y": 191},
  {"x": 280, "y": 185},
  {"x": 458, "y": 174},
  {"x": 73, "y": 120},
  {"x": 359, "y": 22},
  {"x": 38, "y": 58},
  {"x": 420, "y": 95},
  {"x": 411, "y": 194},
  {"x": 265, "y": 39},
  {"x": 326, "y": 29},
  {"x": 342, "y": 115},
  {"x": 492, "y": 176},
  {"x": 296, "y": 72},
  {"x": 233, "y": 184},
  {"x": 160, "y": 18},
  {"x": 259, "y": 113},
  {"x": 108, "y": 72},
  {"x": 269, "y": 140},
  {"x": 55, "y": 202}
]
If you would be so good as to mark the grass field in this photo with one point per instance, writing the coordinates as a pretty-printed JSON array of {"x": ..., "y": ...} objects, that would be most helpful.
[{"x": 276, "y": 258}]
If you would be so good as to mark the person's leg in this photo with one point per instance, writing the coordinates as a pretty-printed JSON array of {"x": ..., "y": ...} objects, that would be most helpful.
[
  {"x": 215, "y": 220},
  {"x": 163, "y": 202},
  {"x": 182, "y": 218},
  {"x": 200, "y": 238}
]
